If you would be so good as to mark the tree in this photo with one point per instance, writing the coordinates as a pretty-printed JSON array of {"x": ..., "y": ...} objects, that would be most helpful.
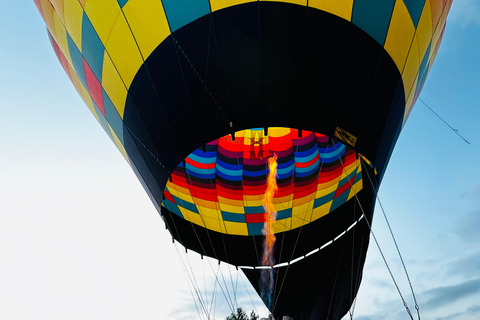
[{"x": 242, "y": 315}]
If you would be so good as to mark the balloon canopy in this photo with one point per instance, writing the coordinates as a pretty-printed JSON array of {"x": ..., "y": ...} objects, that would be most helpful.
[{"x": 197, "y": 94}]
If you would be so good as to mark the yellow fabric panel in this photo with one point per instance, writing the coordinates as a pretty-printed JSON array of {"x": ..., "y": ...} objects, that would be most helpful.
[
  {"x": 61, "y": 36},
  {"x": 148, "y": 22},
  {"x": 73, "y": 21},
  {"x": 411, "y": 68},
  {"x": 229, "y": 208},
  {"x": 213, "y": 224},
  {"x": 191, "y": 216},
  {"x": 102, "y": 15},
  {"x": 220, "y": 4},
  {"x": 282, "y": 225},
  {"x": 409, "y": 104},
  {"x": 299, "y": 210},
  {"x": 301, "y": 219},
  {"x": 281, "y": 205},
  {"x": 424, "y": 31},
  {"x": 123, "y": 51},
  {"x": 207, "y": 212},
  {"x": 58, "y": 5},
  {"x": 183, "y": 194},
  {"x": 277, "y": 132},
  {"x": 400, "y": 35},
  {"x": 239, "y": 228},
  {"x": 342, "y": 9},
  {"x": 113, "y": 85},
  {"x": 321, "y": 211},
  {"x": 326, "y": 190},
  {"x": 48, "y": 13},
  {"x": 119, "y": 145},
  {"x": 355, "y": 188}
]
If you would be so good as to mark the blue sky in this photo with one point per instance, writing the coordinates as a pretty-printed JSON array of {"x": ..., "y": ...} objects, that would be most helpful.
[{"x": 79, "y": 238}]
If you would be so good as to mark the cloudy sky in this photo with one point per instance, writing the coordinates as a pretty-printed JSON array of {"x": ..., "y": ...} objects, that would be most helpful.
[{"x": 79, "y": 238}]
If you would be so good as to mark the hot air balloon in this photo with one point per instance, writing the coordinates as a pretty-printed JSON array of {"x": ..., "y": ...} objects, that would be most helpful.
[{"x": 198, "y": 94}]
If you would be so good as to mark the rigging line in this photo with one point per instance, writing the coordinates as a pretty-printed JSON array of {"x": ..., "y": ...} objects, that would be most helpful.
[
  {"x": 220, "y": 285},
  {"x": 194, "y": 279},
  {"x": 200, "y": 300},
  {"x": 380, "y": 250},
  {"x": 232, "y": 302},
  {"x": 396, "y": 246},
  {"x": 454, "y": 130},
  {"x": 214, "y": 293}
]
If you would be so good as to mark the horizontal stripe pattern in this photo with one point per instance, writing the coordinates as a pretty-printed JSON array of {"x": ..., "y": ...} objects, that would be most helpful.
[{"x": 315, "y": 175}]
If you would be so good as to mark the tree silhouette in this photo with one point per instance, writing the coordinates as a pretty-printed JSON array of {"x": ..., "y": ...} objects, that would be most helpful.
[{"x": 242, "y": 315}]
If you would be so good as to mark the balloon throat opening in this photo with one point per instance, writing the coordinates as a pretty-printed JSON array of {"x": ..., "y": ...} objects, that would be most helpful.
[{"x": 266, "y": 278}]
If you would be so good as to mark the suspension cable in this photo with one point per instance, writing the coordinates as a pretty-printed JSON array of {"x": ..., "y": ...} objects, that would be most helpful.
[
  {"x": 396, "y": 246},
  {"x": 380, "y": 249}
]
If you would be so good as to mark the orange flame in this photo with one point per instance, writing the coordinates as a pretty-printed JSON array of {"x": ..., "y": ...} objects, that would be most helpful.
[
  {"x": 270, "y": 212},
  {"x": 266, "y": 276}
]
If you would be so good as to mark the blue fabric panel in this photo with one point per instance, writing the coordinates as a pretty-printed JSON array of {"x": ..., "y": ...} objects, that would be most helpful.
[
  {"x": 204, "y": 175},
  {"x": 233, "y": 217},
  {"x": 286, "y": 172},
  {"x": 227, "y": 176},
  {"x": 185, "y": 204},
  {"x": 322, "y": 200},
  {"x": 255, "y": 229},
  {"x": 311, "y": 168},
  {"x": 182, "y": 12},
  {"x": 255, "y": 173},
  {"x": 172, "y": 207},
  {"x": 305, "y": 172},
  {"x": 122, "y": 2},
  {"x": 77, "y": 60},
  {"x": 415, "y": 8},
  {"x": 258, "y": 209},
  {"x": 284, "y": 214},
  {"x": 103, "y": 121},
  {"x": 373, "y": 17},
  {"x": 92, "y": 47},
  {"x": 200, "y": 157},
  {"x": 112, "y": 116},
  {"x": 306, "y": 153},
  {"x": 229, "y": 166},
  {"x": 228, "y": 172},
  {"x": 422, "y": 71},
  {"x": 347, "y": 178},
  {"x": 341, "y": 199},
  {"x": 332, "y": 155}
]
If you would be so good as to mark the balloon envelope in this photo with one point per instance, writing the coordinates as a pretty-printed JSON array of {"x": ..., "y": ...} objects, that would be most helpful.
[{"x": 197, "y": 94}]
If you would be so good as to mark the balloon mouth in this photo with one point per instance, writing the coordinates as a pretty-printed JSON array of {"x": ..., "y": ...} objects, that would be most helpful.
[{"x": 220, "y": 185}]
